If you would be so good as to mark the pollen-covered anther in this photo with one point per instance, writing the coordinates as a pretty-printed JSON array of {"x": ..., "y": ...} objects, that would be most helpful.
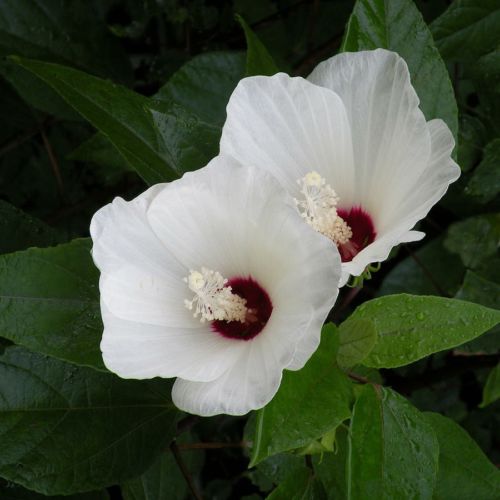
[
  {"x": 318, "y": 206},
  {"x": 214, "y": 299}
]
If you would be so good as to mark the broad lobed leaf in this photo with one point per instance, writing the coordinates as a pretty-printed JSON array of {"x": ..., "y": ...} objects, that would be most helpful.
[
  {"x": 49, "y": 302},
  {"x": 393, "y": 451},
  {"x": 67, "y": 429},
  {"x": 410, "y": 327},
  {"x": 467, "y": 29},
  {"x": 464, "y": 471}
]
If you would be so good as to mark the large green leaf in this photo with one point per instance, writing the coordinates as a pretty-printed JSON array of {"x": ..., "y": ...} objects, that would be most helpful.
[
  {"x": 186, "y": 115},
  {"x": 37, "y": 93},
  {"x": 467, "y": 29},
  {"x": 259, "y": 61},
  {"x": 398, "y": 25},
  {"x": 464, "y": 471},
  {"x": 67, "y": 429},
  {"x": 22, "y": 230},
  {"x": 185, "y": 140},
  {"x": 192, "y": 111},
  {"x": 121, "y": 115},
  {"x": 49, "y": 302},
  {"x": 356, "y": 340},
  {"x": 410, "y": 327},
  {"x": 203, "y": 85},
  {"x": 393, "y": 450},
  {"x": 309, "y": 403}
]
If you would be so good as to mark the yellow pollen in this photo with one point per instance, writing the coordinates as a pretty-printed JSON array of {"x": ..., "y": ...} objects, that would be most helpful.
[
  {"x": 213, "y": 299},
  {"x": 318, "y": 207}
]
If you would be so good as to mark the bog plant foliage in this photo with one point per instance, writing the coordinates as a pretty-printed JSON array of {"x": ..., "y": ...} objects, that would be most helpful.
[{"x": 105, "y": 98}]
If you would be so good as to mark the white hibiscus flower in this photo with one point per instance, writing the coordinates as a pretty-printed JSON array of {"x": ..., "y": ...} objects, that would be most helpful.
[
  {"x": 213, "y": 279},
  {"x": 352, "y": 147}
]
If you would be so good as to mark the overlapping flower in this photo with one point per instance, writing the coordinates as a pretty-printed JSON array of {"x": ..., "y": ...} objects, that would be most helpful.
[
  {"x": 351, "y": 145},
  {"x": 215, "y": 280}
]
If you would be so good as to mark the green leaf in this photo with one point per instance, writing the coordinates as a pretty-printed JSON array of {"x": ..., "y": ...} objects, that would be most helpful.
[
  {"x": 474, "y": 239},
  {"x": 204, "y": 84},
  {"x": 423, "y": 273},
  {"x": 259, "y": 61},
  {"x": 185, "y": 140},
  {"x": 51, "y": 31},
  {"x": 49, "y": 302},
  {"x": 10, "y": 491},
  {"x": 378, "y": 23},
  {"x": 467, "y": 29},
  {"x": 393, "y": 450},
  {"x": 67, "y": 429},
  {"x": 309, "y": 403},
  {"x": 121, "y": 115},
  {"x": 23, "y": 230},
  {"x": 464, "y": 471},
  {"x": 301, "y": 485},
  {"x": 491, "y": 390},
  {"x": 356, "y": 340},
  {"x": 36, "y": 93},
  {"x": 410, "y": 327},
  {"x": 187, "y": 114},
  {"x": 485, "y": 181}
]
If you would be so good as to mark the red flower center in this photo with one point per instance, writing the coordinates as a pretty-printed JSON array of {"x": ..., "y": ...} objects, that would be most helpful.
[
  {"x": 363, "y": 232},
  {"x": 259, "y": 309}
]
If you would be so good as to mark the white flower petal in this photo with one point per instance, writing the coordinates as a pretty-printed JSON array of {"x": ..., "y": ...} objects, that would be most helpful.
[
  {"x": 122, "y": 236},
  {"x": 135, "y": 295},
  {"x": 141, "y": 350},
  {"x": 390, "y": 136},
  {"x": 250, "y": 384},
  {"x": 414, "y": 203},
  {"x": 290, "y": 127},
  {"x": 203, "y": 218}
]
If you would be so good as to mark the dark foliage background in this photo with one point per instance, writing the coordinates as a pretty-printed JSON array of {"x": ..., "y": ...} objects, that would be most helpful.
[{"x": 50, "y": 171}]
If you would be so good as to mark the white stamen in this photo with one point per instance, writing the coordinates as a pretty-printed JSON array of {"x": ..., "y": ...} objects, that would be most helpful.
[
  {"x": 213, "y": 299},
  {"x": 318, "y": 207}
]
